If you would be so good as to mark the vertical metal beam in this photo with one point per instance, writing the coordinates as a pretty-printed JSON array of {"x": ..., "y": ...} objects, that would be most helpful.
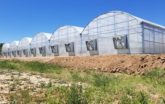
[
  {"x": 128, "y": 33},
  {"x": 143, "y": 48}
]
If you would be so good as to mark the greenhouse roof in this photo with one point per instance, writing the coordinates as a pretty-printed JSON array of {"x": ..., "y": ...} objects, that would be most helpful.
[{"x": 140, "y": 19}]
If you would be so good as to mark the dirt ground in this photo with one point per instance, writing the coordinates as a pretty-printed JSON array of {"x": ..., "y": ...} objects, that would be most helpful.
[
  {"x": 129, "y": 64},
  {"x": 13, "y": 82}
]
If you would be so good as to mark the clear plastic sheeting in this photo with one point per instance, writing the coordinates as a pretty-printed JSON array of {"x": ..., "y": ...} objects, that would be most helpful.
[
  {"x": 40, "y": 44},
  {"x": 118, "y": 28},
  {"x": 154, "y": 39},
  {"x": 5, "y": 50},
  {"x": 14, "y": 48},
  {"x": 66, "y": 41},
  {"x": 24, "y": 47}
]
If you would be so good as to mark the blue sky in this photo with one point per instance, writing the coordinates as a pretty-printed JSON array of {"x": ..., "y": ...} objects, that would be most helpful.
[{"x": 21, "y": 18}]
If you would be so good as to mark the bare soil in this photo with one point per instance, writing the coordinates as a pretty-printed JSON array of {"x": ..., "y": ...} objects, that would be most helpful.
[
  {"x": 13, "y": 82},
  {"x": 130, "y": 64}
]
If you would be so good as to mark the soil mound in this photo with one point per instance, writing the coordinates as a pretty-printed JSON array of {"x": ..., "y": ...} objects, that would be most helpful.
[{"x": 129, "y": 64}]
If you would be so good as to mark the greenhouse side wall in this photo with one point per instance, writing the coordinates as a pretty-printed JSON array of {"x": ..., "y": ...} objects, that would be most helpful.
[{"x": 154, "y": 39}]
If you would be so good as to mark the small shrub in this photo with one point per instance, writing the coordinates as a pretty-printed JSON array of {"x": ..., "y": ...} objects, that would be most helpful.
[
  {"x": 49, "y": 84},
  {"x": 156, "y": 76},
  {"x": 9, "y": 64},
  {"x": 125, "y": 99},
  {"x": 76, "y": 77},
  {"x": 13, "y": 99},
  {"x": 42, "y": 67},
  {"x": 21, "y": 97},
  {"x": 76, "y": 95},
  {"x": 33, "y": 66},
  {"x": 132, "y": 97},
  {"x": 42, "y": 85},
  {"x": 101, "y": 80},
  {"x": 56, "y": 95},
  {"x": 25, "y": 96},
  {"x": 142, "y": 98},
  {"x": 155, "y": 73}
]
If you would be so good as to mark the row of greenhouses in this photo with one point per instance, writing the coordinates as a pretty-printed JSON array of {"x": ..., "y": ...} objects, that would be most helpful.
[{"x": 115, "y": 32}]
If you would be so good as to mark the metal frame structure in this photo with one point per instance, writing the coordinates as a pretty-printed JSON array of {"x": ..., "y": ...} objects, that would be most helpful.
[
  {"x": 5, "y": 50},
  {"x": 24, "y": 47},
  {"x": 13, "y": 51},
  {"x": 115, "y": 32},
  {"x": 67, "y": 41},
  {"x": 40, "y": 44},
  {"x": 118, "y": 24}
]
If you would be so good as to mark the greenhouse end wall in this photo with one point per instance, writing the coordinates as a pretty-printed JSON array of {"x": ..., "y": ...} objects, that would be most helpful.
[
  {"x": 67, "y": 39},
  {"x": 13, "y": 49},
  {"x": 24, "y": 47},
  {"x": 5, "y": 50},
  {"x": 108, "y": 26},
  {"x": 40, "y": 44}
]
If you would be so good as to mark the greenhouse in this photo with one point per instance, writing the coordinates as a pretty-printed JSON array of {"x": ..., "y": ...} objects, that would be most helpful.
[
  {"x": 118, "y": 32},
  {"x": 5, "y": 50},
  {"x": 65, "y": 41},
  {"x": 24, "y": 47},
  {"x": 14, "y": 49},
  {"x": 40, "y": 44},
  {"x": 115, "y": 32}
]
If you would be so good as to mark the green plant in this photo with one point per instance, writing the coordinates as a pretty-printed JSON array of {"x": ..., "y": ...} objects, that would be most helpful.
[
  {"x": 49, "y": 84},
  {"x": 76, "y": 95},
  {"x": 133, "y": 97},
  {"x": 13, "y": 99},
  {"x": 42, "y": 85},
  {"x": 76, "y": 77},
  {"x": 143, "y": 99},
  {"x": 156, "y": 76},
  {"x": 8, "y": 64},
  {"x": 101, "y": 80},
  {"x": 163, "y": 101},
  {"x": 155, "y": 73},
  {"x": 25, "y": 96},
  {"x": 33, "y": 66},
  {"x": 21, "y": 97}
]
